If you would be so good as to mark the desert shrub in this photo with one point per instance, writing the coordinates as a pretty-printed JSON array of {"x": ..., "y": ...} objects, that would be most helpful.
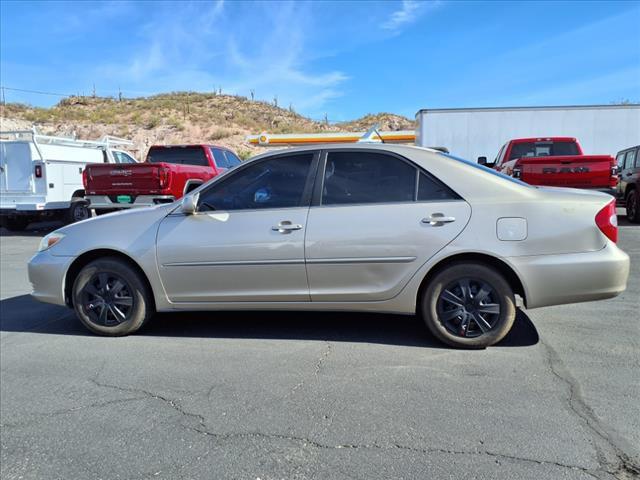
[{"x": 152, "y": 122}]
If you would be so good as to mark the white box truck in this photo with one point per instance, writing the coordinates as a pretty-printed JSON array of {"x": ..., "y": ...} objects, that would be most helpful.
[
  {"x": 480, "y": 132},
  {"x": 41, "y": 175}
]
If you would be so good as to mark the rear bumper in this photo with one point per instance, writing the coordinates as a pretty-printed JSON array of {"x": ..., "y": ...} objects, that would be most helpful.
[
  {"x": 46, "y": 274},
  {"x": 574, "y": 277},
  {"x": 100, "y": 202},
  {"x": 8, "y": 208}
]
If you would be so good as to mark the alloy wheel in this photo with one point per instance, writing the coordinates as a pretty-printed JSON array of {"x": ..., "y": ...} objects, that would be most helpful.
[
  {"x": 80, "y": 212},
  {"x": 468, "y": 307},
  {"x": 107, "y": 299}
]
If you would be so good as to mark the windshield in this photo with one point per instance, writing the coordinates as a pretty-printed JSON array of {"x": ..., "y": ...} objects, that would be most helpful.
[
  {"x": 485, "y": 169},
  {"x": 180, "y": 155},
  {"x": 543, "y": 149}
]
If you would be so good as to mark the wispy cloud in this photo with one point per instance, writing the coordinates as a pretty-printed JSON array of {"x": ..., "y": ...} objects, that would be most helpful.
[
  {"x": 182, "y": 50},
  {"x": 409, "y": 12}
]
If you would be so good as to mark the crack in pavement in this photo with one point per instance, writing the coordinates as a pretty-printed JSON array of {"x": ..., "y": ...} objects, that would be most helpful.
[
  {"x": 317, "y": 368},
  {"x": 202, "y": 429},
  {"x": 172, "y": 403},
  {"x": 625, "y": 467},
  {"x": 68, "y": 411},
  {"x": 307, "y": 442}
]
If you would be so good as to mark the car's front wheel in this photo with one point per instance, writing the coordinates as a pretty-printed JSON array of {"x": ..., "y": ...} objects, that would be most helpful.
[
  {"x": 469, "y": 305},
  {"x": 110, "y": 297}
]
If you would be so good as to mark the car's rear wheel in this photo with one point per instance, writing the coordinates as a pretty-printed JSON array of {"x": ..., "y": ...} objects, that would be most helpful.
[
  {"x": 77, "y": 211},
  {"x": 110, "y": 297},
  {"x": 469, "y": 305},
  {"x": 633, "y": 206}
]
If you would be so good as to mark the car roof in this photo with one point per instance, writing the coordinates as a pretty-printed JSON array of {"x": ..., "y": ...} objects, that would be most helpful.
[{"x": 407, "y": 149}]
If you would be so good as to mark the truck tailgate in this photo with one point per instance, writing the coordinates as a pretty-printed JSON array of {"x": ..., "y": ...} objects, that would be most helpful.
[
  {"x": 133, "y": 179},
  {"x": 580, "y": 171}
]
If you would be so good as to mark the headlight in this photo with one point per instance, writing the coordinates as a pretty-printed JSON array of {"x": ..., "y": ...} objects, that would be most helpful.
[{"x": 49, "y": 241}]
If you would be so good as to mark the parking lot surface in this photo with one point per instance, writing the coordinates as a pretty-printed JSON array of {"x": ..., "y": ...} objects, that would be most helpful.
[{"x": 331, "y": 395}]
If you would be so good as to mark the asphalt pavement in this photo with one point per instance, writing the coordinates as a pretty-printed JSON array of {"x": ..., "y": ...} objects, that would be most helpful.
[{"x": 319, "y": 396}]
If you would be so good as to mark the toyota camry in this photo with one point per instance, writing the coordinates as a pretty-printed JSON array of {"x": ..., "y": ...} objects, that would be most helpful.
[{"x": 367, "y": 227}]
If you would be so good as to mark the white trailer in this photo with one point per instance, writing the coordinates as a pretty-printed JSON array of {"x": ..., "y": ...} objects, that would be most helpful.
[
  {"x": 480, "y": 132},
  {"x": 41, "y": 175}
]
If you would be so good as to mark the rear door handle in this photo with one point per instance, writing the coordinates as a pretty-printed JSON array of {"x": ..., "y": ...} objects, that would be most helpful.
[
  {"x": 286, "y": 227},
  {"x": 438, "y": 220}
]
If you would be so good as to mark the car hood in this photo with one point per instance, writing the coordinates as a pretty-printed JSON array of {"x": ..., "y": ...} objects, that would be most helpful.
[{"x": 132, "y": 232}]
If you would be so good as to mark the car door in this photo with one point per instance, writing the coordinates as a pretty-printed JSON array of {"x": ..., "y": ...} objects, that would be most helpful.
[
  {"x": 629, "y": 173},
  {"x": 621, "y": 181},
  {"x": 375, "y": 219},
  {"x": 246, "y": 240}
]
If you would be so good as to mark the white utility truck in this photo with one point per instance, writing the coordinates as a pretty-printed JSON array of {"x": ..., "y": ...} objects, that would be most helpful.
[
  {"x": 480, "y": 132},
  {"x": 41, "y": 175}
]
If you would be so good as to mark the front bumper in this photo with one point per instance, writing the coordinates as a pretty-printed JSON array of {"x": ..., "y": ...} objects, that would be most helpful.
[
  {"x": 47, "y": 276},
  {"x": 100, "y": 202},
  {"x": 573, "y": 277}
]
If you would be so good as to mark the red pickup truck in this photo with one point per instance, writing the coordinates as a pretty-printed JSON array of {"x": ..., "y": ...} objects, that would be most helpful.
[
  {"x": 558, "y": 162},
  {"x": 166, "y": 175}
]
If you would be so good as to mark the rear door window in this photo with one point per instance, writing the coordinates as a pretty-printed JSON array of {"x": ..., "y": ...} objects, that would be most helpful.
[
  {"x": 178, "y": 155},
  {"x": 232, "y": 160},
  {"x": 220, "y": 158},
  {"x": 367, "y": 177},
  {"x": 630, "y": 159},
  {"x": 432, "y": 190}
]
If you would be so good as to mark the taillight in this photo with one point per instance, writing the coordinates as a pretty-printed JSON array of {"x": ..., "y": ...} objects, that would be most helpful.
[
  {"x": 607, "y": 221},
  {"x": 84, "y": 178},
  {"x": 164, "y": 176},
  {"x": 613, "y": 180},
  {"x": 38, "y": 171}
]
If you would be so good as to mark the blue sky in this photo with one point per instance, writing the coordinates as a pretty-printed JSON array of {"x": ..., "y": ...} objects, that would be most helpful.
[{"x": 340, "y": 58}]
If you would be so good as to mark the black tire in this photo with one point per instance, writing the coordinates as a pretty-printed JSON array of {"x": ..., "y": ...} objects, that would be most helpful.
[
  {"x": 633, "y": 206},
  {"x": 90, "y": 300},
  {"x": 16, "y": 224},
  {"x": 446, "y": 290},
  {"x": 77, "y": 211}
]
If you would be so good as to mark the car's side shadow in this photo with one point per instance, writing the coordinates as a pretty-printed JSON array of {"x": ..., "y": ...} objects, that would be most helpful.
[{"x": 23, "y": 314}]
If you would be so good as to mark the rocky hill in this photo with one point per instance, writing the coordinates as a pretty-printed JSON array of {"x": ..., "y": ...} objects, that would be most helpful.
[{"x": 182, "y": 117}]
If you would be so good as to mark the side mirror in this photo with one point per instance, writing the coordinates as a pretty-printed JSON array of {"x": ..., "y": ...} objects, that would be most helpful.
[
  {"x": 189, "y": 204},
  {"x": 482, "y": 160}
]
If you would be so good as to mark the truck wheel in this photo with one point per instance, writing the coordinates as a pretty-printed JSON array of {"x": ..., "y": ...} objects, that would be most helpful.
[
  {"x": 16, "y": 224},
  {"x": 469, "y": 305},
  {"x": 633, "y": 206},
  {"x": 78, "y": 211},
  {"x": 110, "y": 298}
]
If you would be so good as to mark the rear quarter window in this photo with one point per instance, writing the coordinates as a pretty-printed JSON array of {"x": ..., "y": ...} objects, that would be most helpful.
[{"x": 486, "y": 170}]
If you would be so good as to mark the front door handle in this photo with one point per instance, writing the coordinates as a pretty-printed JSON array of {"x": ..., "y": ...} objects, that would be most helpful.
[
  {"x": 286, "y": 227},
  {"x": 438, "y": 219}
]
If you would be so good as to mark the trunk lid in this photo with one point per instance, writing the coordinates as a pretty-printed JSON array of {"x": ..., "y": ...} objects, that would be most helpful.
[{"x": 579, "y": 171}]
